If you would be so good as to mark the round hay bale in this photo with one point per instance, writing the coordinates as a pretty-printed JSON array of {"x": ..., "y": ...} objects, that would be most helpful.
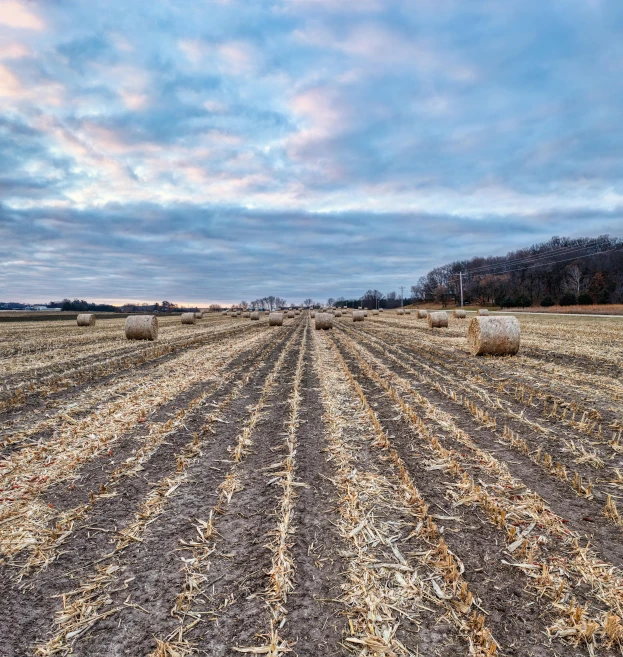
[
  {"x": 323, "y": 321},
  {"x": 483, "y": 312},
  {"x": 141, "y": 327},
  {"x": 189, "y": 318},
  {"x": 358, "y": 316},
  {"x": 246, "y": 314},
  {"x": 267, "y": 312},
  {"x": 380, "y": 310},
  {"x": 422, "y": 314},
  {"x": 313, "y": 313},
  {"x": 255, "y": 315},
  {"x": 438, "y": 319},
  {"x": 337, "y": 313},
  {"x": 496, "y": 336},
  {"x": 291, "y": 314},
  {"x": 275, "y": 319},
  {"x": 360, "y": 308},
  {"x": 199, "y": 315},
  {"x": 375, "y": 312},
  {"x": 365, "y": 313},
  {"x": 407, "y": 312},
  {"x": 86, "y": 319},
  {"x": 460, "y": 314},
  {"x": 400, "y": 311}
]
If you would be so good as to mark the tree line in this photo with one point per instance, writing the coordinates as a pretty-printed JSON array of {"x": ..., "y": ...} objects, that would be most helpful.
[{"x": 563, "y": 270}]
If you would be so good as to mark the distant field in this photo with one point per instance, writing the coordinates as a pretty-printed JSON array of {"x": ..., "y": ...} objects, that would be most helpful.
[{"x": 375, "y": 488}]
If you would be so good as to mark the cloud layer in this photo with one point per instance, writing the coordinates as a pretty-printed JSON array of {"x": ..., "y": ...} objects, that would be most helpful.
[{"x": 212, "y": 151}]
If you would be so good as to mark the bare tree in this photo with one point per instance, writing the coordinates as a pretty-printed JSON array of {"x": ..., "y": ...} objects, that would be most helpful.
[
  {"x": 308, "y": 302},
  {"x": 574, "y": 278},
  {"x": 330, "y": 301}
]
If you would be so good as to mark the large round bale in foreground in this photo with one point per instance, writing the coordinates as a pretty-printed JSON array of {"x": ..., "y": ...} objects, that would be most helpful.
[
  {"x": 496, "y": 336},
  {"x": 86, "y": 319},
  {"x": 460, "y": 314},
  {"x": 358, "y": 316},
  {"x": 323, "y": 321},
  {"x": 275, "y": 319},
  {"x": 400, "y": 311},
  {"x": 255, "y": 315},
  {"x": 199, "y": 314},
  {"x": 438, "y": 319},
  {"x": 141, "y": 327},
  {"x": 189, "y": 318},
  {"x": 483, "y": 312},
  {"x": 422, "y": 314}
]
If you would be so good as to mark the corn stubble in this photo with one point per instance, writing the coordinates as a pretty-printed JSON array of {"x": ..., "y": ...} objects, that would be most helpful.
[{"x": 555, "y": 405}]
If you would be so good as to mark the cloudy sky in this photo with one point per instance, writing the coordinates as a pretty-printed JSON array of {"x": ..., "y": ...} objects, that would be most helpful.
[{"x": 204, "y": 151}]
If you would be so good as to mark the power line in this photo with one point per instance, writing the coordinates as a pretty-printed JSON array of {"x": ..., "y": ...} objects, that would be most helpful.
[
  {"x": 555, "y": 262},
  {"x": 536, "y": 257}
]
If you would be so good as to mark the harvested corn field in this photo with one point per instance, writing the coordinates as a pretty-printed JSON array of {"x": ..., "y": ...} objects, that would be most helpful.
[{"x": 371, "y": 489}]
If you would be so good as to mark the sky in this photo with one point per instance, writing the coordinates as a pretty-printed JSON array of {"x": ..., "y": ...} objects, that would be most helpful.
[{"x": 213, "y": 151}]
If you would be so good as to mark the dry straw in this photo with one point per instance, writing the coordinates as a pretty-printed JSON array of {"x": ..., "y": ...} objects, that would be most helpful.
[
  {"x": 358, "y": 316},
  {"x": 422, "y": 314},
  {"x": 255, "y": 315},
  {"x": 275, "y": 319},
  {"x": 141, "y": 327},
  {"x": 86, "y": 319},
  {"x": 460, "y": 314},
  {"x": 438, "y": 319},
  {"x": 483, "y": 312},
  {"x": 498, "y": 336},
  {"x": 189, "y": 318},
  {"x": 324, "y": 321}
]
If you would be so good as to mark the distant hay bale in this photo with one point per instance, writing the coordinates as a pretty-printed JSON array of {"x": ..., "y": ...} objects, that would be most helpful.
[
  {"x": 86, "y": 319},
  {"x": 460, "y": 314},
  {"x": 365, "y": 313},
  {"x": 275, "y": 319},
  {"x": 358, "y": 316},
  {"x": 323, "y": 321},
  {"x": 360, "y": 308},
  {"x": 141, "y": 327},
  {"x": 199, "y": 315},
  {"x": 495, "y": 336},
  {"x": 189, "y": 318},
  {"x": 267, "y": 312},
  {"x": 246, "y": 314},
  {"x": 291, "y": 314},
  {"x": 400, "y": 311},
  {"x": 375, "y": 312},
  {"x": 337, "y": 313},
  {"x": 380, "y": 310},
  {"x": 438, "y": 319},
  {"x": 297, "y": 312},
  {"x": 313, "y": 313},
  {"x": 407, "y": 311},
  {"x": 483, "y": 312},
  {"x": 422, "y": 314},
  {"x": 255, "y": 315}
]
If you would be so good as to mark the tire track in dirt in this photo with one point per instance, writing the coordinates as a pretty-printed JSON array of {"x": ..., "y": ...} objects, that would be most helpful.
[
  {"x": 589, "y": 619},
  {"x": 92, "y": 541}
]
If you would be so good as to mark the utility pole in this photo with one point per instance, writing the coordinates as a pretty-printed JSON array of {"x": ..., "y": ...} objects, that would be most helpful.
[
  {"x": 461, "y": 281},
  {"x": 402, "y": 301}
]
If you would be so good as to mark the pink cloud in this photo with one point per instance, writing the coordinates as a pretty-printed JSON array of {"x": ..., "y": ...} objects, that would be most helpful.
[{"x": 16, "y": 15}]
